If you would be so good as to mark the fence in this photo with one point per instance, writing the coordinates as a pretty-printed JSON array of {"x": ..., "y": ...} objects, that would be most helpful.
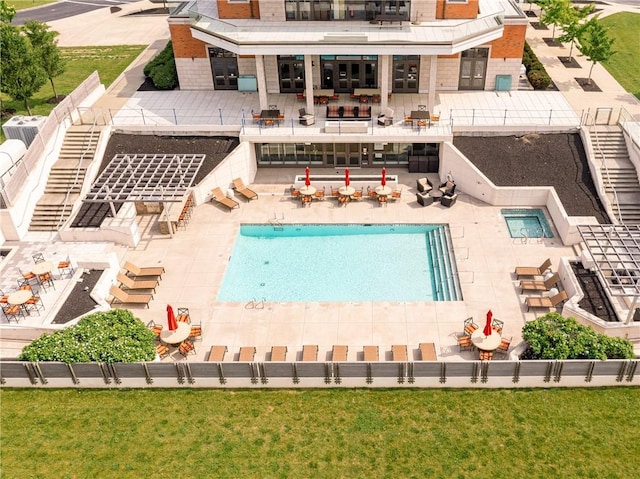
[
  {"x": 513, "y": 117},
  {"x": 472, "y": 374}
]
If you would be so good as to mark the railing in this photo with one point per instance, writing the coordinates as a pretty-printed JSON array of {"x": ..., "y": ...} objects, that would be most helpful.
[
  {"x": 583, "y": 373},
  {"x": 488, "y": 117},
  {"x": 631, "y": 125}
]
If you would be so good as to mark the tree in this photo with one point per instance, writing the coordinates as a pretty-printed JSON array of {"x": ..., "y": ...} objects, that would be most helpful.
[
  {"x": 7, "y": 12},
  {"x": 595, "y": 43},
  {"x": 554, "y": 13},
  {"x": 21, "y": 74},
  {"x": 572, "y": 24},
  {"x": 45, "y": 47}
]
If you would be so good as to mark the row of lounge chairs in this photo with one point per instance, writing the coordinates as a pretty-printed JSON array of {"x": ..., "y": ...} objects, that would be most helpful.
[
  {"x": 135, "y": 278},
  {"x": 240, "y": 188},
  {"x": 339, "y": 353},
  {"x": 547, "y": 284}
]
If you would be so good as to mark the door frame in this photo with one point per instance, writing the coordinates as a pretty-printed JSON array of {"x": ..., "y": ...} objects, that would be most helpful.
[
  {"x": 224, "y": 58},
  {"x": 479, "y": 56}
]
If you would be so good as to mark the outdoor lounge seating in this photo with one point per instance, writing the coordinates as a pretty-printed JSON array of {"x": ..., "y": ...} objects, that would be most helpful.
[
  {"x": 385, "y": 118},
  {"x": 306, "y": 118},
  {"x": 216, "y": 353},
  {"x": 448, "y": 201},
  {"x": 428, "y": 352},
  {"x": 127, "y": 282},
  {"x": 399, "y": 352},
  {"x": 339, "y": 353},
  {"x": 448, "y": 188},
  {"x": 532, "y": 270},
  {"x": 278, "y": 353},
  {"x": 546, "y": 302},
  {"x": 136, "y": 271},
  {"x": 240, "y": 187},
  {"x": 537, "y": 285},
  {"x": 220, "y": 198},
  {"x": 348, "y": 112},
  {"x": 247, "y": 353},
  {"x": 310, "y": 352},
  {"x": 371, "y": 353},
  {"x": 122, "y": 297},
  {"x": 424, "y": 185},
  {"x": 424, "y": 199}
]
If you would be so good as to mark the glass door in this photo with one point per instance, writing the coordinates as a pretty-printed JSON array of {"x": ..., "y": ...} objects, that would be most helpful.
[
  {"x": 347, "y": 155},
  {"x": 224, "y": 66},
  {"x": 405, "y": 73},
  {"x": 473, "y": 69},
  {"x": 291, "y": 73}
]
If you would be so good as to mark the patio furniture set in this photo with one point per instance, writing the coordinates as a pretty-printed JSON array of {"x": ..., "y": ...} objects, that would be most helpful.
[
  {"x": 180, "y": 339},
  {"x": 345, "y": 194},
  {"x": 473, "y": 337},
  {"x": 540, "y": 279},
  {"x": 133, "y": 281},
  {"x": 229, "y": 202},
  {"x": 445, "y": 194},
  {"x": 268, "y": 117}
]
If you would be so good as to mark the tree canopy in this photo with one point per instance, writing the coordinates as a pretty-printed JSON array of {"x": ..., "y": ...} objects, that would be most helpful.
[
  {"x": 46, "y": 50},
  {"x": 595, "y": 43}
]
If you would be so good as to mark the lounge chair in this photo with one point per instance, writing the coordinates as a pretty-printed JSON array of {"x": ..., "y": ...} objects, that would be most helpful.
[
  {"x": 339, "y": 353},
  {"x": 424, "y": 185},
  {"x": 448, "y": 200},
  {"x": 143, "y": 271},
  {"x": 305, "y": 118},
  {"x": 310, "y": 352},
  {"x": 532, "y": 270},
  {"x": 371, "y": 353},
  {"x": 399, "y": 352},
  {"x": 428, "y": 352},
  {"x": 247, "y": 353},
  {"x": 131, "y": 283},
  {"x": 545, "y": 301},
  {"x": 240, "y": 187},
  {"x": 448, "y": 188},
  {"x": 123, "y": 297},
  {"x": 537, "y": 285},
  {"x": 217, "y": 353},
  {"x": 278, "y": 353},
  {"x": 221, "y": 198}
]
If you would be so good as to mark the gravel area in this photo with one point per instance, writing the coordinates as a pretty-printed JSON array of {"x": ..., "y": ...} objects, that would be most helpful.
[{"x": 79, "y": 301}]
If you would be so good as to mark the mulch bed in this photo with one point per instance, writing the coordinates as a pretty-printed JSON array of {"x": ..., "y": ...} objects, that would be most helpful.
[
  {"x": 595, "y": 299},
  {"x": 538, "y": 26},
  {"x": 588, "y": 85},
  {"x": 569, "y": 62},
  {"x": 551, "y": 42},
  {"x": 79, "y": 302},
  {"x": 531, "y": 13},
  {"x": 557, "y": 160}
]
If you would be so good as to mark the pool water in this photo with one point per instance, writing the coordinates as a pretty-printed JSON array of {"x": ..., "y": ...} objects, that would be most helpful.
[
  {"x": 527, "y": 223},
  {"x": 332, "y": 263}
]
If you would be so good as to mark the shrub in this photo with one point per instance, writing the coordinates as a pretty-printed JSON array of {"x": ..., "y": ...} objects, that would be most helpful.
[
  {"x": 553, "y": 336},
  {"x": 111, "y": 337},
  {"x": 162, "y": 69},
  {"x": 539, "y": 79},
  {"x": 536, "y": 73}
]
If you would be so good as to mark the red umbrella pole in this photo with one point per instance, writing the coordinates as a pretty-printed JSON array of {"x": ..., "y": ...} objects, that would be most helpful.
[
  {"x": 307, "y": 180},
  {"x": 171, "y": 318},
  {"x": 487, "y": 327},
  {"x": 383, "y": 181},
  {"x": 346, "y": 177}
]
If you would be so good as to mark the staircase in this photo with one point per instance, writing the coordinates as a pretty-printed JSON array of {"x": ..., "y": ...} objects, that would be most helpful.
[
  {"x": 66, "y": 176},
  {"x": 622, "y": 176},
  {"x": 445, "y": 275}
]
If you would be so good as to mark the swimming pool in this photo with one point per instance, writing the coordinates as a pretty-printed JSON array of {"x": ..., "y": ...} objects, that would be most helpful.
[
  {"x": 344, "y": 262},
  {"x": 527, "y": 223}
]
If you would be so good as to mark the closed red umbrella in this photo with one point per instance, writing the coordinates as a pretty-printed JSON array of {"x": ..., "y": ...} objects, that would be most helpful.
[
  {"x": 171, "y": 318},
  {"x": 346, "y": 177},
  {"x": 487, "y": 327},
  {"x": 383, "y": 181},
  {"x": 307, "y": 180}
]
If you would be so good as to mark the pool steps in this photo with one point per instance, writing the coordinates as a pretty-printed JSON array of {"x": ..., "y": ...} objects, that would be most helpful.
[{"x": 443, "y": 265}]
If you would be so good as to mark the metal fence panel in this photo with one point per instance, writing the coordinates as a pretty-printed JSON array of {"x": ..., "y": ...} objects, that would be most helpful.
[
  {"x": 351, "y": 370},
  {"x": 534, "y": 368},
  {"x": 427, "y": 369},
  {"x": 460, "y": 369},
  {"x": 312, "y": 370},
  {"x": 278, "y": 370},
  {"x": 238, "y": 370},
  {"x": 500, "y": 368},
  {"x": 129, "y": 370},
  {"x": 86, "y": 370},
  {"x": 205, "y": 370},
  {"x": 575, "y": 368},
  {"x": 55, "y": 370},
  {"x": 162, "y": 370},
  {"x": 387, "y": 370},
  {"x": 14, "y": 370}
]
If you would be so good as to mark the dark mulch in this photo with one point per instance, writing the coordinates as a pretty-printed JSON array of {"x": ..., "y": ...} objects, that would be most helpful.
[
  {"x": 557, "y": 160},
  {"x": 588, "y": 85},
  {"x": 79, "y": 302},
  {"x": 538, "y": 26},
  {"x": 552, "y": 42},
  {"x": 595, "y": 299},
  {"x": 148, "y": 85},
  {"x": 569, "y": 62},
  {"x": 531, "y": 13}
]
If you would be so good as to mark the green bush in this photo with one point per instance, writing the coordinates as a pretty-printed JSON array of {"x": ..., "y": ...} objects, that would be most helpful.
[
  {"x": 162, "y": 69},
  {"x": 553, "y": 336},
  {"x": 114, "y": 336},
  {"x": 539, "y": 79}
]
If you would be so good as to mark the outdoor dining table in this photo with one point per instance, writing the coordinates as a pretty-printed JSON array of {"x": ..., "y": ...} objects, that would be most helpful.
[
  {"x": 383, "y": 190},
  {"x": 346, "y": 190},
  {"x": 176, "y": 336},
  {"x": 269, "y": 114},
  {"x": 308, "y": 190},
  {"x": 20, "y": 297},
  {"x": 366, "y": 91},
  {"x": 486, "y": 343},
  {"x": 42, "y": 268}
]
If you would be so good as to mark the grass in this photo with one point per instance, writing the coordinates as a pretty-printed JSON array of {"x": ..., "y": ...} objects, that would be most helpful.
[
  {"x": 568, "y": 433},
  {"x": 22, "y": 4},
  {"x": 624, "y": 28}
]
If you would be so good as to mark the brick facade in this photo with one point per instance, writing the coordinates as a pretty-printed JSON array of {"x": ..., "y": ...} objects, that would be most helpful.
[
  {"x": 511, "y": 44},
  {"x": 456, "y": 10},
  {"x": 238, "y": 10},
  {"x": 184, "y": 45}
]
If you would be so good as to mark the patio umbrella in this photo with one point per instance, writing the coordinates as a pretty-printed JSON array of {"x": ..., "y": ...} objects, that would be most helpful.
[
  {"x": 383, "y": 180},
  {"x": 307, "y": 180},
  {"x": 487, "y": 327},
  {"x": 171, "y": 318},
  {"x": 346, "y": 177}
]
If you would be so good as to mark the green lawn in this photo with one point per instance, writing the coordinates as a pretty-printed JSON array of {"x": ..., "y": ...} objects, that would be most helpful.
[
  {"x": 625, "y": 29},
  {"x": 22, "y": 4},
  {"x": 568, "y": 433}
]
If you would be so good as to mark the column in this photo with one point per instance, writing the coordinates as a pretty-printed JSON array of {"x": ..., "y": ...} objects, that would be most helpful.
[
  {"x": 262, "y": 83},
  {"x": 384, "y": 84},
  {"x": 433, "y": 72},
  {"x": 308, "y": 83}
]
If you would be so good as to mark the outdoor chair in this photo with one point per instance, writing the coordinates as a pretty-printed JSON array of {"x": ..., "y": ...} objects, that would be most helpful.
[
  {"x": 46, "y": 281},
  {"x": 396, "y": 195},
  {"x": 448, "y": 188},
  {"x": 424, "y": 185},
  {"x": 240, "y": 187},
  {"x": 532, "y": 270},
  {"x": 247, "y": 353},
  {"x": 4, "y": 298},
  {"x": 428, "y": 352},
  {"x": 358, "y": 195},
  {"x": 339, "y": 353},
  {"x": 545, "y": 302},
  {"x": 130, "y": 283},
  {"x": 310, "y": 352},
  {"x": 278, "y": 353},
  {"x": 497, "y": 325},
  {"x": 424, "y": 199},
  {"x": 122, "y": 297},
  {"x": 371, "y": 193},
  {"x": 65, "y": 268},
  {"x": 537, "y": 285},
  {"x": 217, "y": 353},
  {"x": 382, "y": 200},
  {"x": 162, "y": 351},
  {"x": 448, "y": 201},
  {"x": 220, "y": 198},
  {"x": 486, "y": 355},
  {"x": 186, "y": 347},
  {"x": 386, "y": 117},
  {"x": 305, "y": 118},
  {"x": 196, "y": 332},
  {"x": 183, "y": 315},
  {"x": 371, "y": 353},
  {"x": 13, "y": 312},
  {"x": 399, "y": 352},
  {"x": 156, "y": 328},
  {"x": 38, "y": 258},
  {"x": 34, "y": 303},
  {"x": 503, "y": 348},
  {"x": 133, "y": 270},
  {"x": 464, "y": 342},
  {"x": 469, "y": 326},
  {"x": 319, "y": 194}
]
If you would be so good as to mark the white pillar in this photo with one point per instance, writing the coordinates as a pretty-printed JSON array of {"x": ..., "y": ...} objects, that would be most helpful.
[
  {"x": 262, "y": 82},
  {"x": 308, "y": 83},
  {"x": 433, "y": 73},
  {"x": 384, "y": 84}
]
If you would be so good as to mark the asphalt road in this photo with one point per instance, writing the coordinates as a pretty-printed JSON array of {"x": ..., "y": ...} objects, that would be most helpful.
[{"x": 64, "y": 9}]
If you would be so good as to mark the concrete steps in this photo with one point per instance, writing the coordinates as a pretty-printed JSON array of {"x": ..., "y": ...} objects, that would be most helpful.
[
  {"x": 618, "y": 173},
  {"x": 65, "y": 180}
]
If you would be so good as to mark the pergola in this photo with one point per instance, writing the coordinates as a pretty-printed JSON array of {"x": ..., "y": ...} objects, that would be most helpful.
[
  {"x": 615, "y": 250},
  {"x": 147, "y": 178}
]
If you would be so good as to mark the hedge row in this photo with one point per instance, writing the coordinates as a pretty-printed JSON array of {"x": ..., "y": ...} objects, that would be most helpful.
[
  {"x": 162, "y": 69},
  {"x": 536, "y": 73}
]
